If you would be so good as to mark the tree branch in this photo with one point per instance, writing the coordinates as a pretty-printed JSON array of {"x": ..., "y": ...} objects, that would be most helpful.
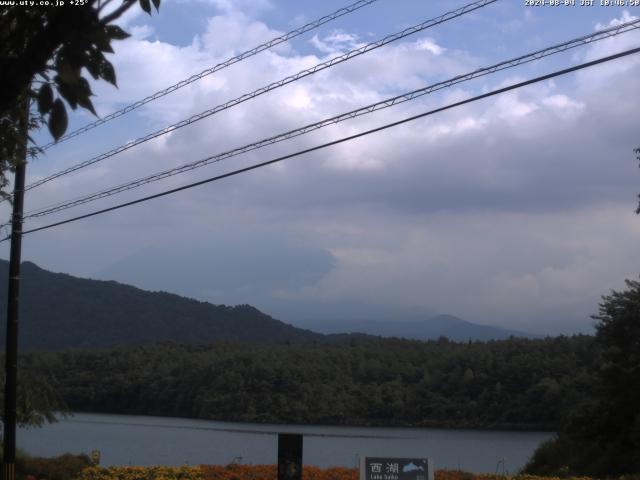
[
  {"x": 103, "y": 4},
  {"x": 126, "y": 5}
]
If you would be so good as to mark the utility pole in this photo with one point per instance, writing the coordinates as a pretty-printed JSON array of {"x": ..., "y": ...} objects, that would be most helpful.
[{"x": 13, "y": 306}]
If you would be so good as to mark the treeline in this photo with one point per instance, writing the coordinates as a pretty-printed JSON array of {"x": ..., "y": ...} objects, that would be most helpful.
[
  {"x": 515, "y": 384},
  {"x": 601, "y": 436}
]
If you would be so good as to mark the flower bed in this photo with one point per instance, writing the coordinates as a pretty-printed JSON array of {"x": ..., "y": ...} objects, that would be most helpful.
[{"x": 269, "y": 472}]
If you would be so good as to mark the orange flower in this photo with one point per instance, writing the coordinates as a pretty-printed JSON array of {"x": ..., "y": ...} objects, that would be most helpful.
[{"x": 269, "y": 472}]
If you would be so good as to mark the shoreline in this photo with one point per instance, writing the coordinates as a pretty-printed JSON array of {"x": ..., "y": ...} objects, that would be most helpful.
[{"x": 275, "y": 425}]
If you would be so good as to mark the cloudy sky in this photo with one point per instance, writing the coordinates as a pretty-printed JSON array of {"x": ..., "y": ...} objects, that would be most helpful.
[{"x": 515, "y": 211}]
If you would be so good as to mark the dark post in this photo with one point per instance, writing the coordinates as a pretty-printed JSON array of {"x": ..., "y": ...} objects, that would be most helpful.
[
  {"x": 11, "y": 349},
  {"x": 289, "y": 456}
]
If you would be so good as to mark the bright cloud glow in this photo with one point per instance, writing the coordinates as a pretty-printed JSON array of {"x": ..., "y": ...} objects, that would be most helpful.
[{"x": 515, "y": 210}]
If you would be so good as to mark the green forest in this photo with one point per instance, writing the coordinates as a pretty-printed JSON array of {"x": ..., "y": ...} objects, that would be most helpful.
[
  {"x": 515, "y": 384},
  {"x": 583, "y": 387}
]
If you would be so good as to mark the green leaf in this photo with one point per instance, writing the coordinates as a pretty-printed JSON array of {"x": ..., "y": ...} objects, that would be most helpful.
[
  {"x": 100, "y": 38},
  {"x": 114, "y": 32},
  {"x": 67, "y": 73},
  {"x": 105, "y": 46},
  {"x": 156, "y": 3},
  {"x": 58, "y": 119},
  {"x": 68, "y": 91},
  {"x": 84, "y": 88},
  {"x": 93, "y": 67},
  {"x": 85, "y": 102},
  {"x": 94, "y": 61},
  {"x": 84, "y": 92},
  {"x": 146, "y": 6},
  {"x": 108, "y": 73},
  {"x": 75, "y": 54},
  {"x": 45, "y": 99}
]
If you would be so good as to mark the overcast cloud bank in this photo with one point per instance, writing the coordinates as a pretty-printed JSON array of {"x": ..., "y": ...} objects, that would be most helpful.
[{"x": 515, "y": 211}]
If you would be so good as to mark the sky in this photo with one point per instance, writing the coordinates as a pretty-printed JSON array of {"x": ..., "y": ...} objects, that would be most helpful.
[{"x": 514, "y": 211}]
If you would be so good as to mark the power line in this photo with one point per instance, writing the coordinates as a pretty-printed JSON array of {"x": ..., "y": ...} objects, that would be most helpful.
[
  {"x": 586, "y": 39},
  {"x": 292, "y": 78},
  {"x": 242, "y": 56},
  {"x": 341, "y": 140}
]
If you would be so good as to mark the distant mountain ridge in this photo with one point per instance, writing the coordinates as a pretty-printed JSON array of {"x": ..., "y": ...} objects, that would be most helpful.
[
  {"x": 61, "y": 311},
  {"x": 415, "y": 328}
]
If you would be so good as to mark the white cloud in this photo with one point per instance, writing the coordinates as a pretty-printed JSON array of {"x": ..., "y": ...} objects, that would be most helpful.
[
  {"x": 234, "y": 32},
  {"x": 335, "y": 43},
  {"x": 495, "y": 268},
  {"x": 562, "y": 102},
  {"x": 625, "y": 18},
  {"x": 513, "y": 210},
  {"x": 602, "y": 77},
  {"x": 429, "y": 45},
  {"x": 141, "y": 32},
  {"x": 253, "y": 7}
]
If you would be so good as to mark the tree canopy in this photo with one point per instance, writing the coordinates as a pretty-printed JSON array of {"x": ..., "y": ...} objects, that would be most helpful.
[
  {"x": 38, "y": 396},
  {"x": 602, "y": 437},
  {"x": 46, "y": 50},
  {"x": 516, "y": 383}
]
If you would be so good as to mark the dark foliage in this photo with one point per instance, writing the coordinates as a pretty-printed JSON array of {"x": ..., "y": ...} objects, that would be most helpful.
[
  {"x": 64, "y": 467},
  {"x": 502, "y": 384},
  {"x": 38, "y": 399},
  {"x": 44, "y": 51},
  {"x": 602, "y": 437}
]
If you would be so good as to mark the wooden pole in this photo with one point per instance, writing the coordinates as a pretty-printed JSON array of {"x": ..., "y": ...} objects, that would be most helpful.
[{"x": 13, "y": 308}]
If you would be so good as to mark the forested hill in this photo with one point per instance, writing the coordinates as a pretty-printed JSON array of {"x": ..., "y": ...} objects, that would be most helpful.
[
  {"x": 61, "y": 311},
  {"x": 516, "y": 383}
]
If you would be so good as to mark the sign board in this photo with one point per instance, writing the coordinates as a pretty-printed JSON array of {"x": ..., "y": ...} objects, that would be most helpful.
[
  {"x": 392, "y": 468},
  {"x": 95, "y": 457},
  {"x": 289, "y": 456}
]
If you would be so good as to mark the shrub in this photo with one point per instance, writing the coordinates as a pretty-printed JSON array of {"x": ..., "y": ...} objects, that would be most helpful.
[{"x": 64, "y": 467}]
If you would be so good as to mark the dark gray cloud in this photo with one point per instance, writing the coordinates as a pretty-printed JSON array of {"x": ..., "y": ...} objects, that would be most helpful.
[
  {"x": 234, "y": 265},
  {"x": 514, "y": 211}
]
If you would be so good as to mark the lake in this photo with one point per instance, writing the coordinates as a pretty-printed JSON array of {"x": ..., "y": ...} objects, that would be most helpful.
[{"x": 140, "y": 440}]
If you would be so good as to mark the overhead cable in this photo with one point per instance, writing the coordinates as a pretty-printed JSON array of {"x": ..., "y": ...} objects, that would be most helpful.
[
  {"x": 285, "y": 81},
  {"x": 336, "y": 142},
  {"x": 238, "y": 58},
  {"x": 530, "y": 57}
]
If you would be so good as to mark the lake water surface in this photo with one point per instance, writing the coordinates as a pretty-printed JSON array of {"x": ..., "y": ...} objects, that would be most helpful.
[{"x": 137, "y": 440}]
